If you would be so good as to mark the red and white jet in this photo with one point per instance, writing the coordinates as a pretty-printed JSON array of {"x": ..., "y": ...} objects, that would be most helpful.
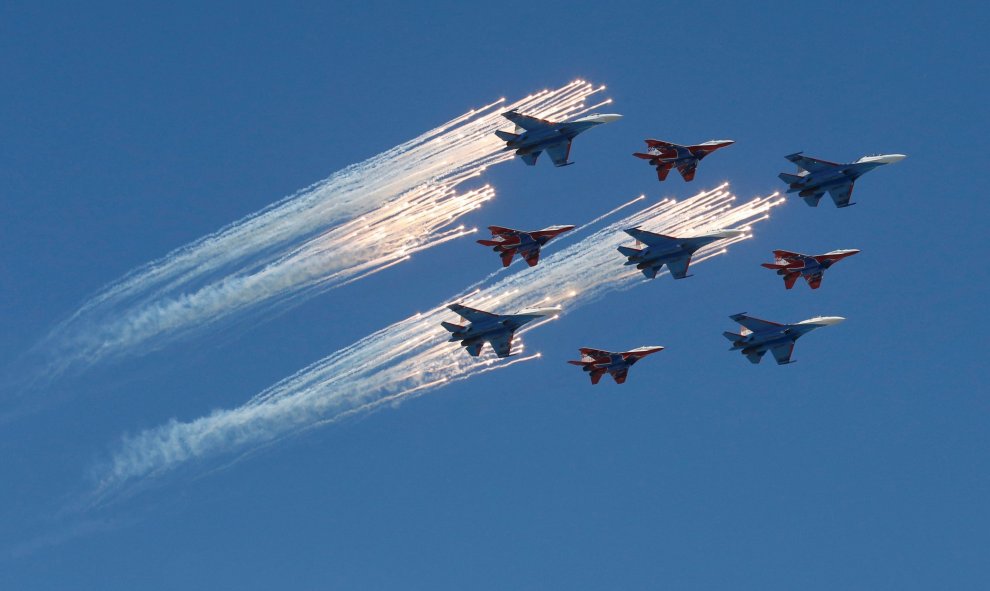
[
  {"x": 791, "y": 265},
  {"x": 597, "y": 362},
  {"x": 666, "y": 155},
  {"x": 507, "y": 242}
]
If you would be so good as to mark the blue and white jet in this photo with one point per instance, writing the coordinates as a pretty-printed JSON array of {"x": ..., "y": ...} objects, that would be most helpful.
[
  {"x": 534, "y": 135},
  {"x": 759, "y": 336},
  {"x": 816, "y": 176},
  {"x": 494, "y": 329},
  {"x": 675, "y": 252}
]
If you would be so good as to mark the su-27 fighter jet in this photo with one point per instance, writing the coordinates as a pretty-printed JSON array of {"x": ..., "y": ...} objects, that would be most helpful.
[
  {"x": 791, "y": 265},
  {"x": 507, "y": 242},
  {"x": 494, "y": 329},
  {"x": 666, "y": 155},
  {"x": 815, "y": 176},
  {"x": 533, "y": 135},
  {"x": 759, "y": 336},
  {"x": 675, "y": 252},
  {"x": 597, "y": 362}
]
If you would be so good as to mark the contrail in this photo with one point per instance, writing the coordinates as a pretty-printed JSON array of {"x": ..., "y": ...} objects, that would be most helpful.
[
  {"x": 412, "y": 357},
  {"x": 358, "y": 221}
]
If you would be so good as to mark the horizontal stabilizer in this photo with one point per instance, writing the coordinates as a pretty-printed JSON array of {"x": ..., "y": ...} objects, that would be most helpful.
[
  {"x": 790, "y": 179},
  {"x": 732, "y": 336},
  {"x": 507, "y": 136},
  {"x": 630, "y": 251},
  {"x": 452, "y": 327}
]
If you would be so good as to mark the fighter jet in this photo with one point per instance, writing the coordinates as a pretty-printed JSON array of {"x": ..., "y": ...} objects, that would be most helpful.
[
  {"x": 665, "y": 155},
  {"x": 791, "y": 265},
  {"x": 597, "y": 362},
  {"x": 668, "y": 250},
  {"x": 508, "y": 242},
  {"x": 815, "y": 176},
  {"x": 759, "y": 336},
  {"x": 533, "y": 135},
  {"x": 494, "y": 329}
]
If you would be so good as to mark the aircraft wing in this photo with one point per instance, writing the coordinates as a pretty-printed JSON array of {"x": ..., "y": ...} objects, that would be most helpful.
[
  {"x": 783, "y": 353},
  {"x": 786, "y": 254},
  {"x": 500, "y": 230},
  {"x": 687, "y": 169},
  {"x": 841, "y": 195},
  {"x": 754, "y": 324},
  {"x": 559, "y": 153},
  {"x": 811, "y": 164},
  {"x": 527, "y": 122},
  {"x": 679, "y": 267},
  {"x": 502, "y": 344},
  {"x": 530, "y": 158},
  {"x": 652, "y": 239},
  {"x": 532, "y": 257},
  {"x": 657, "y": 144},
  {"x": 619, "y": 375},
  {"x": 470, "y": 314}
]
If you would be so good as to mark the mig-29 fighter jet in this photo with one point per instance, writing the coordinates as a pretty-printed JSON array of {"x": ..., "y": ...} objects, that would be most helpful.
[
  {"x": 668, "y": 250},
  {"x": 665, "y": 155},
  {"x": 533, "y": 135},
  {"x": 597, "y": 362},
  {"x": 791, "y": 265},
  {"x": 507, "y": 242},
  {"x": 494, "y": 329},
  {"x": 759, "y": 336},
  {"x": 815, "y": 176}
]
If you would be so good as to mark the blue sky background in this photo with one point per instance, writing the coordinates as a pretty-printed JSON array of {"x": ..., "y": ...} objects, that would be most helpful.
[{"x": 128, "y": 131}]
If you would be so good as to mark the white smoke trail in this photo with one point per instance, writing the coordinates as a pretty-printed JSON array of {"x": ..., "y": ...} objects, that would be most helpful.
[
  {"x": 356, "y": 222},
  {"x": 412, "y": 357}
]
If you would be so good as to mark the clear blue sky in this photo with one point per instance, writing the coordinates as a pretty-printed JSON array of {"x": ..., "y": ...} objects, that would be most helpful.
[{"x": 130, "y": 131}]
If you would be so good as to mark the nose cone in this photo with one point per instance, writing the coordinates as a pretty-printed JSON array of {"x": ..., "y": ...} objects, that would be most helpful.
[
  {"x": 884, "y": 158},
  {"x": 727, "y": 233},
  {"x": 823, "y": 320},
  {"x": 647, "y": 350},
  {"x": 551, "y": 311},
  {"x": 601, "y": 118}
]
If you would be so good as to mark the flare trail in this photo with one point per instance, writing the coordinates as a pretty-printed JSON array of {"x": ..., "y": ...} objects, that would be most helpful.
[{"x": 412, "y": 357}]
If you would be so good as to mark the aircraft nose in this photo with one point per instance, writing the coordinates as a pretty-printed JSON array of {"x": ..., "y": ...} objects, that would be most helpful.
[
  {"x": 830, "y": 320},
  {"x": 609, "y": 118}
]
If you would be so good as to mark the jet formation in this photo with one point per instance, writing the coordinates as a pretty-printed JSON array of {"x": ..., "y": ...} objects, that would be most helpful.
[
  {"x": 816, "y": 176},
  {"x": 666, "y": 155},
  {"x": 791, "y": 265},
  {"x": 532, "y": 136},
  {"x": 596, "y": 362},
  {"x": 508, "y": 242}
]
